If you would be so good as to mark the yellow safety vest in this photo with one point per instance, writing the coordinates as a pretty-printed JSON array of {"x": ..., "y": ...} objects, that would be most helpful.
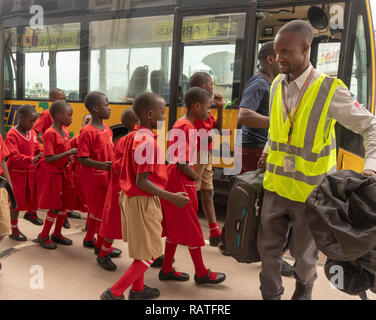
[{"x": 312, "y": 143}]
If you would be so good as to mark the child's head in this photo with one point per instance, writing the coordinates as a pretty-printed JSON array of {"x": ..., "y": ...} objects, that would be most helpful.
[
  {"x": 202, "y": 80},
  {"x": 86, "y": 120},
  {"x": 198, "y": 102},
  {"x": 129, "y": 119},
  {"x": 97, "y": 104},
  {"x": 57, "y": 94},
  {"x": 149, "y": 108},
  {"x": 27, "y": 117},
  {"x": 61, "y": 112}
]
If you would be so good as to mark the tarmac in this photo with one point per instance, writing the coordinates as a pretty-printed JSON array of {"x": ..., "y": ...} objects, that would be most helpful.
[{"x": 30, "y": 272}]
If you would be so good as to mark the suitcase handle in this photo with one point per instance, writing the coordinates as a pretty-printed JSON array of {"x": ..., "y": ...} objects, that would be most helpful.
[{"x": 238, "y": 223}]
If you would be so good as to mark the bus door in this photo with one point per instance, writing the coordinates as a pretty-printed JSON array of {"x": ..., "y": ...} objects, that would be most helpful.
[{"x": 219, "y": 41}]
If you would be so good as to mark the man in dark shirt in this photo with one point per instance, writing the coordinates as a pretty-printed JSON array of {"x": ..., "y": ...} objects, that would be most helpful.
[
  {"x": 254, "y": 116},
  {"x": 254, "y": 109}
]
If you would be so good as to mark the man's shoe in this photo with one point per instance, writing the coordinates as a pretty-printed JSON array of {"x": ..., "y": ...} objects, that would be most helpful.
[
  {"x": 146, "y": 294},
  {"x": 66, "y": 224},
  {"x": 74, "y": 215},
  {"x": 89, "y": 244},
  {"x": 34, "y": 219},
  {"x": 172, "y": 276},
  {"x": 287, "y": 269},
  {"x": 62, "y": 240},
  {"x": 214, "y": 241},
  {"x": 302, "y": 292},
  {"x": 220, "y": 278},
  {"x": 51, "y": 245},
  {"x": 107, "y": 295},
  {"x": 18, "y": 236},
  {"x": 106, "y": 263}
]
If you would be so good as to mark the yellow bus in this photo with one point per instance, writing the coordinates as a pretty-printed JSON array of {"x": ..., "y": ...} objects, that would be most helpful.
[{"x": 125, "y": 47}]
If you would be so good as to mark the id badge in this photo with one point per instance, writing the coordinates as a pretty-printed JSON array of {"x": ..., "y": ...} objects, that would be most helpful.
[{"x": 289, "y": 164}]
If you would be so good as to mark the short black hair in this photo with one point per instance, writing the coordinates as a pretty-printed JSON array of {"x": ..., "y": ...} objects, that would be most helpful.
[
  {"x": 266, "y": 50},
  {"x": 144, "y": 102},
  {"x": 53, "y": 92},
  {"x": 26, "y": 110},
  {"x": 199, "y": 78},
  {"x": 92, "y": 99},
  {"x": 300, "y": 27},
  {"x": 58, "y": 107},
  {"x": 194, "y": 95}
]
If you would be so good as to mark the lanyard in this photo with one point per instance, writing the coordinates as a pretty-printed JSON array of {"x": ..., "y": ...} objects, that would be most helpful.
[{"x": 297, "y": 103}]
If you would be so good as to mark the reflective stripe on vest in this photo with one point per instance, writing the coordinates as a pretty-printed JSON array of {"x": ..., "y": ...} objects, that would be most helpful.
[{"x": 312, "y": 143}]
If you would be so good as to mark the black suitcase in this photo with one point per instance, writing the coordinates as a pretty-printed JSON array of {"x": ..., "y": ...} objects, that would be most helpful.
[{"x": 239, "y": 236}]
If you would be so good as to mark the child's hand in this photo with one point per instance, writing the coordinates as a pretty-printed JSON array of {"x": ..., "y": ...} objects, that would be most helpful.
[
  {"x": 107, "y": 165},
  {"x": 219, "y": 101},
  {"x": 37, "y": 158},
  {"x": 180, "y": 199},
  {"x": 72, "y": 152}
]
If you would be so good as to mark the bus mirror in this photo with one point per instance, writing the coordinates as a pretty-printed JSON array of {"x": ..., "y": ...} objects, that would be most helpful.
[{"x": 317, "y": 18}]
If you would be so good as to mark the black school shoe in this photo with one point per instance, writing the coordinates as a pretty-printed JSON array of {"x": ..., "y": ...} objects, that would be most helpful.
[
  {"x": 34, "y": 219},
  {"x": 159, "y": 262},
  {"x": 60, "y": 240},
  {"x": 18, "y": 236},
  {"x": 220, "y": 278},
  {"x": 66, "y": 224},
  {"x": 146, "y": 294},
  {"x": 74, "y": 215},
  {"x": 113, "y": 254},
  {"x": 106, "y": 263},
  {"x": 287, "y": 270},
  {"x": 172, "y": 276},
  {"x": 42, "y": 242},
  {"x": 89, "y": 244},
  {"x": 107, "y": 295}
]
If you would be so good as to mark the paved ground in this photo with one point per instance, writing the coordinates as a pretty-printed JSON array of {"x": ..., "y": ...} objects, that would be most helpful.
[{"x": 73, "y": 273}]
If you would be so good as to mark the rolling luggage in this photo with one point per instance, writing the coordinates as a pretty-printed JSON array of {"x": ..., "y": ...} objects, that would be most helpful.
[{"x": 239, "y": 235}]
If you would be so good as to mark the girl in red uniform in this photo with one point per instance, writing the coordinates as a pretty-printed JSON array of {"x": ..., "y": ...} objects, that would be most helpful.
[
  {"x": 25, "y": 151},
  {"x": 95, "y": 154},
  {"x": 142, "y": 184},
  {"x": 54, "y": 175},
  {"x": 110, "y": 228},
  {"x": 181, "y": 226}
]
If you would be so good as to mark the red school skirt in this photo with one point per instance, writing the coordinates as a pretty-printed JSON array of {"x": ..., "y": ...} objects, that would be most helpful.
[
  {"x": 181, "y": 225},
  {"x": 24, "y": 189},
  {"x": 55, "y": 187},
  {"x": 110, "y": 227}
]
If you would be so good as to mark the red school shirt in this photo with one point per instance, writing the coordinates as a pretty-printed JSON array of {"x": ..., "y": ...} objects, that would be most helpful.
[
  {"x": 142, "y": 154},
  {"x": 182, "y": 146},
  {"x": 22, "y": 149},
  {"x": 207, "y": 125},
  {"x": 4, "y": 152},
  {"x": 54, "y": 143},
  {"x": 95, "y": 144},
  {"x": 44, "y": 122}
]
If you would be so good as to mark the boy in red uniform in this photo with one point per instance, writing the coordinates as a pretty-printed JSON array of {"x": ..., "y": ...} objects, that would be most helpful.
[
  {"x": 54, "y": 179},
  {"x": 142, "y": 184},
  {"x": 204, "y": 163},
  {"x": 181, "y": 226},
  {"x": 5, "y": 227},
  {"x": 111, "y": 219},
  {"x": 95, "y": 154},
  {"x": 25, "y": 151}
]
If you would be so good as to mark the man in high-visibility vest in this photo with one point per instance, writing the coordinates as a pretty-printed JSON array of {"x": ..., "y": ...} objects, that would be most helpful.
[{"x": 301, "y": 151}]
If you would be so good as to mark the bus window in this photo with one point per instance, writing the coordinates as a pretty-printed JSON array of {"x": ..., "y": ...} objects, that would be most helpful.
[
  {"x": 129, "y": 56},
  {"x": 210, "y": 44},
  {"x": 10, "y": 63},
  {"x": 51, "y": 60},
  {"x": 359, "y": 78}
]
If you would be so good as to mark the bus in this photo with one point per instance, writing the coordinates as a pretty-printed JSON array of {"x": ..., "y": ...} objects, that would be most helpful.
[{"x": 124, "y": 47}]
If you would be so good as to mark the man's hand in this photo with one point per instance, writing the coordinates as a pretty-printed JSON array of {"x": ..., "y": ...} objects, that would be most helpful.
[
  {"x": 261, "y": 164},
  {"x": 369, "y": 172},
  {"x": 219, "y": 101}
]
